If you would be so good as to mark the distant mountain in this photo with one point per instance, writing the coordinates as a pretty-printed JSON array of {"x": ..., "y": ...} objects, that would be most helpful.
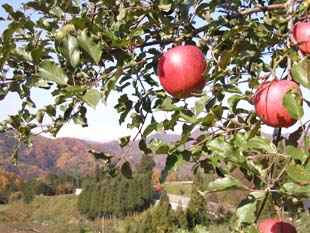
[
  {"x": 54, "y": 155},
  {"x": 71, "y": 155}
]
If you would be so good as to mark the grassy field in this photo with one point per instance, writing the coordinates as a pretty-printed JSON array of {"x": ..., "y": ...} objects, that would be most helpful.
[
  {"x": 59, "y": 214},
  {"x": 55, "y": 214},
  {"x": 179, "y": 189}
]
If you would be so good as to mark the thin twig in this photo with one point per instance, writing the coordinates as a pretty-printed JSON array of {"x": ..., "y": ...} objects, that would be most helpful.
[{"x": 277, "y": 135}]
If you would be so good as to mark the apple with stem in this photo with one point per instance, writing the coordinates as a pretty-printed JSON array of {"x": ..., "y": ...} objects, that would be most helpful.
[
  {"x": 268, "y": 102},
  {"x": 301, "y": 33},
  {"x": 276, "y": 226},
  {"x": 181, "y": 70}
]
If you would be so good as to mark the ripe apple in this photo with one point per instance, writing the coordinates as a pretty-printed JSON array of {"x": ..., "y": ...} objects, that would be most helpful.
[
  {"x": 276, "y": 226},
  {"x": 268, "y": 105},
  {"x": 301, "y": 33},
  {"x": 180, "y": 71}
]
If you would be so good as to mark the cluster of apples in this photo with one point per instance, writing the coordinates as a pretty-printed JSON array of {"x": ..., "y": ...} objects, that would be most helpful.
[
  {"x": 181, "y": 70},
  {"x": 181, "y": 73}
]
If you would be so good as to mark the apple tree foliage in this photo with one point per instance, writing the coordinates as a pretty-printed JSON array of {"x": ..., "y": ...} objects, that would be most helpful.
[{"x": 82, "y": 51}]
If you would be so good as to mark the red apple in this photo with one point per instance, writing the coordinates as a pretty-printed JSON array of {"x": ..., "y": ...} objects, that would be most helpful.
[
  {"x": 180, "y": 71},
  {"x": 301, "y": 32},
  {"x": 276, "y": 226},
  {"x": 268, "y": 105}
]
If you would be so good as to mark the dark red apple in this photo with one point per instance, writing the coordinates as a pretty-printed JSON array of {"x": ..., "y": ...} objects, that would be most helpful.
[
  {"x": 301, "y": 32},
  {"x": 268, "y": 101},
  {"x": 180, "y": 71},
  {"x": 276, "y": 226}
]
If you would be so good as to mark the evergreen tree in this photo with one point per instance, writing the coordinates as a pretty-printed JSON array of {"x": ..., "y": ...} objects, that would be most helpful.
[
  {"x": 139, "y": 197},
  {"x": 181, "y": 216},
  {"x": 28, "y": 189},
  {"x": 164, "y": 216},
  {"x": 85, "y": 197},
  {"x": 131, "y": 196},
  {"x": 121, "y": 197},
  {"x": 146, "y": 165},
  {"x": 147, "y": 224},
  {"x": 96, "y": 202},
  {"x": 108, "y": 200},
  {"x": 197, "y": 209}
]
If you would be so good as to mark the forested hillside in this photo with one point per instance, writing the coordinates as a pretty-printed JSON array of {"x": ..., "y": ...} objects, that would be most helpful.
[
  {"x": 55, "y": 156},
  {"x": 68, "y": 155}
]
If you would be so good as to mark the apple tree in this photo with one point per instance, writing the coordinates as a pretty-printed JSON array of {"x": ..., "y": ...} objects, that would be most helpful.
[{"x": 82, "y": 51}]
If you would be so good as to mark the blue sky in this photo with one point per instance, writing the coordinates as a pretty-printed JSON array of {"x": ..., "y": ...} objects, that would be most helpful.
[{"x": 103, "y": 121}]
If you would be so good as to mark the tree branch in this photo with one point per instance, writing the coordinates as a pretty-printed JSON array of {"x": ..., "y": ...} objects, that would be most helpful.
[{"x": 229, "y": 17}]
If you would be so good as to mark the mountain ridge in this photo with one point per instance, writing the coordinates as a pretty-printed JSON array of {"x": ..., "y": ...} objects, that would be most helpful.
[{"x": 69, "y": 155}]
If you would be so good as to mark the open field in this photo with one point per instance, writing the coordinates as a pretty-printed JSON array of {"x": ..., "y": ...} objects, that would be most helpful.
[
  {"x": 58, "y": 214},
  {"x": 45, "y": 214}
]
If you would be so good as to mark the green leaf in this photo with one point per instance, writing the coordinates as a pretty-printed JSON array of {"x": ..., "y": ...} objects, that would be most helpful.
[
  {"x": 91, "y": 97},
  {"x": 301, "y": 72},
  {"x": 143, "y": 147},
  {"x": 100, "y": 155},
  {"x": 126, "y": 170},
  {"x": 22, "y": 54},
  {"x": 218, "y": 111},
  {"x": 52, "y": 72},
  {"x": 159, "y": 146},
  {"x": 295, "y": 136},
  {"x": 188, "y": 116},
  {"x": 254, "y": 129},
  {"x": 261, "y": 144},
  {"x": 124, "y": 141},
  {"x": 165, "y": 8},
  {"x": 245, "y": 212},
  {"x": 69, "y": 48},
  {"x": 167, "y": 105},
  {"x": 90, "y": 47},
  {"x": 298, "y": 173},
  {"x": 200, "y": 104},
  {"x": 231, "y": 89},
  {"x": 227, "y": 54},
  {"x": 174, "y": 162},
  {"x": 292, "y": 102},
  {"x": 123, "y": 106},
  {"x": 208, "y": 120},
  {"x": 233, "y": 101},
  {"x": 226, "y": 183},
  {"x": 296, "y": 190},
  {"x": 110, "y": 83},
  {"x": 294, "y": 152},
  {"x": 219, "y": 146}
]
